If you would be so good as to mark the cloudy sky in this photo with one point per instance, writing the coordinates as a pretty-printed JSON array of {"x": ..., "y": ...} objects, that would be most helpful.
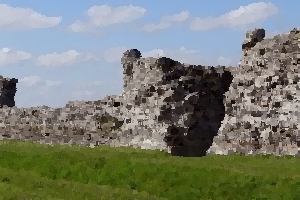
[{"x": 71, "y": 50}]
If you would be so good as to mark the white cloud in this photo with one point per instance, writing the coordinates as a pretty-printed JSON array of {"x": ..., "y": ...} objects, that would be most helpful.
[
  {"x": 243, "y": 16},
  {"x": 176, "y": 17},
  {"x": 22, "y": 18},
  {"x": 8, "y": 56},
  {"x": 105, "y": 15},
  {"x": 187, "y": 51},
  {"x": 79, "y": 26},
  {"x": 155, "y": 53},
  {"x": 66, "y": 58},
  {"x": 224, "y": 61},
  {"x": 30, "y": 80},
  {"x": 53, "y": 83},
  {"x": 114, "y": 54},
  {"x": 166, "y": 21}
]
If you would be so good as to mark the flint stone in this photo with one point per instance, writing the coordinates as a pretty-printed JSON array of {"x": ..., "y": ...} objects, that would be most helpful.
[{"x": 262, "y": 104}]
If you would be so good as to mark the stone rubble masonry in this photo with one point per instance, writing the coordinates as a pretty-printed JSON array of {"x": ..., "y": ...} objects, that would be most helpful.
[
  {"x": 169, "y": 104},
  {"x": 262, "y": 104},
  {"x": 164, "y": 105},
  {"x": 182, "y": 109}
]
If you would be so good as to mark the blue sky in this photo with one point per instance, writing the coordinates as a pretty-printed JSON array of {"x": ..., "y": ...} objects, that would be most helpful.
[{"x": 70, "y": 50}]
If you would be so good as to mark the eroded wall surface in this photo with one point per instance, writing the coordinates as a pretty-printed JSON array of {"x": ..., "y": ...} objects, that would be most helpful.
[
  {"x": 262, "y": 104},
  {"x": 182, "y": 109}
]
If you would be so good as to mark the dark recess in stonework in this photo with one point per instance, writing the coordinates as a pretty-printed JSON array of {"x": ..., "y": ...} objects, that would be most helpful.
[{"x": 204, "y": 100}]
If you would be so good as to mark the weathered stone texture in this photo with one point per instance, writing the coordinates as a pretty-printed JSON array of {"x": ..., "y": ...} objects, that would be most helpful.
[
  {"x": 78, "y": 122},
  {"x": 171, "y": 104},
  {"x": 164, "y": 105},
  {"x": 182, "y": 109},
  {"x": 143, "y": 93},
  {"x": 262, "y": 104},
  {"x": 197, "y": 109}
]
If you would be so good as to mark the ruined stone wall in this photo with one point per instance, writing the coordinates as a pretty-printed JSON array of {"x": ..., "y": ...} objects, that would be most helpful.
[
  {"x": 168, "y": 104},
  {"x": 183, "y": 109},
  {"x": 262, "y": 104},
  {"x": 79, "y": 122},
  {"x": 8, "y": 90},
  {"x": 143, "y": 93},
  {"x": 164, "y": 105}
]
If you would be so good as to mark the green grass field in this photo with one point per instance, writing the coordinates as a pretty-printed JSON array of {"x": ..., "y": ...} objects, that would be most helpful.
[{"x": 36, "y": 171}]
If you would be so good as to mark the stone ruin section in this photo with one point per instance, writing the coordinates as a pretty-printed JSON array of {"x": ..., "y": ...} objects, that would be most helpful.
[
  {"x": 89, "y": 123},
  {"x": 183, "y": 109},
  {"x": 8, "y": 89},
  {"x": 142, "y": 96},
  {"x": 171, "y": 106},
  {"x": 164, "y": 105},
  {"x": 262, "y": 104}
]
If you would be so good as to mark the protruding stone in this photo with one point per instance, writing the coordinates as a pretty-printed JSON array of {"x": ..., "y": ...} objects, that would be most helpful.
[
  {"x": 253, "y": 37},
  {"x": 130, "y": 56}
]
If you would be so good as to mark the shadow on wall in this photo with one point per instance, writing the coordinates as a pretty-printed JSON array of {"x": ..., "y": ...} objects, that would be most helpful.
[{"x": 196, "y": 118}]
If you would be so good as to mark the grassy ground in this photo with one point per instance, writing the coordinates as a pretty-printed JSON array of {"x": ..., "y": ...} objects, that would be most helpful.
[{"x": 36, "y": 171}]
